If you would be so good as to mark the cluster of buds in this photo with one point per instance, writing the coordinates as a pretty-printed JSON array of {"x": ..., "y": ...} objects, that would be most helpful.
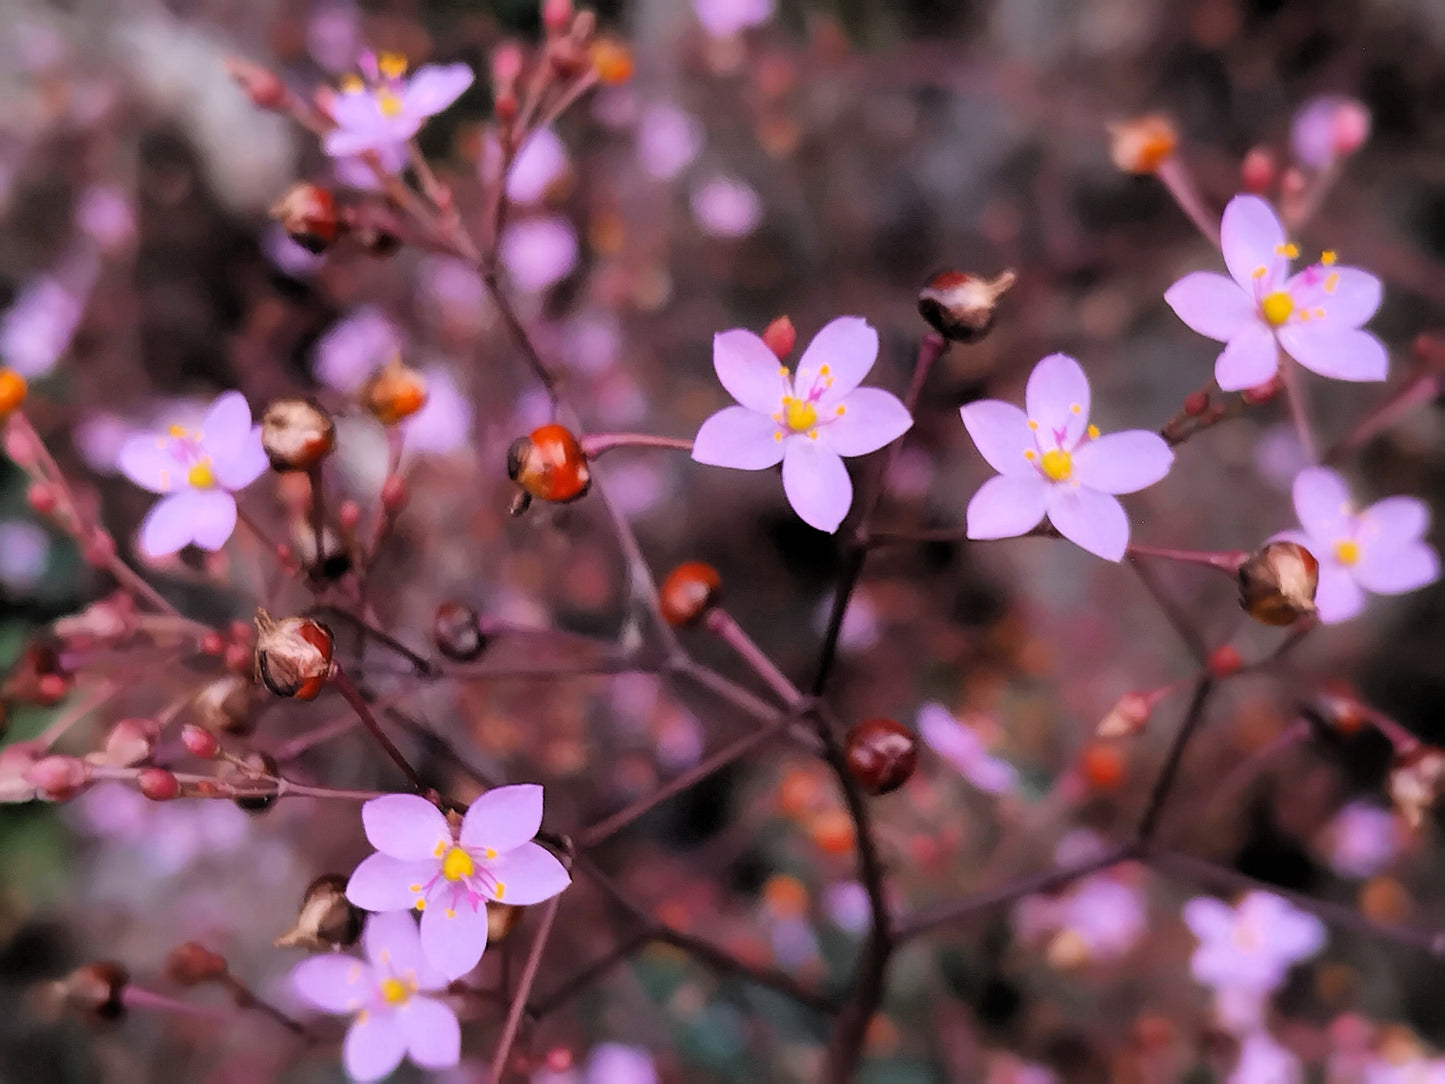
[
  {"x": 296, "y": 435},
  {"x": 326, "y": 920},
  {"x": 689, "y": 592},
  {"x": 1277, "y": 584},
  {"x": 960, "y": 306},
  {"x": 881, "y": 755},
  {"x": 548, "y": 464},
  {"x": 293, "y": 655}
]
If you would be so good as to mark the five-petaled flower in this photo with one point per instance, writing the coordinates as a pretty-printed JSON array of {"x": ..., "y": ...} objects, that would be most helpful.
[
  {"x": 1315, "y": 315},
  {"x": 808, "y": 422},
  {"x": 449, "y": 876},
  {"x": 198, "y": 470},
  {"x": 381, "y": 109},
  {"x": 1250, "y": 947},
  {"x": 1051, "y": 461},
  {"x": 1380, "y": 550},
  {"x": 386, "y": 995}
]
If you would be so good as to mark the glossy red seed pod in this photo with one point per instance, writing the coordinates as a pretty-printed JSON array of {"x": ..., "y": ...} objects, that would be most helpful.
[
  {"x": 881, "y": 754},
  {"x": 690, "y": 590},
  {"x": 549, "y": 464}
]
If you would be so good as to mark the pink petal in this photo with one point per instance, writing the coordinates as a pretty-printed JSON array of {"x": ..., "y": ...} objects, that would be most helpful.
[
  {"x": 1339, "y": 353},
  {"x": 433, "y": 1036},
  {"x": 848, "y": 346},
  {"x": 530, "y": 874},
  {"x": 454, "y": 934},
  {"x": 169, "y": 525},
  {"x": 1057, "y": 398},
  {"x": 1395, "y": 520},
  {"x": 226, "y": 424},
  {"x": 749, "y": 371},
  {"x": 871, "y": 418},
  {"x": 406, "y": 826},
  {"x": 384, "y": 883},
  {"x": 738, "y": 437},
  {"x": 1248, "y": 235},
  {"x": 816, "y": 482},
  {"x": 946, "y": 736},
  {"x": 1338, "y": 597},
  {"x": 213, "y": 517},
  {"x": 1322, "y": 503},
  {"x": 392, "y": 943},
  {"x": 1001, "y": 433},
  {"x": 1005, "y": 507},
  {"x": 503, "y": 818},
  {"x": 1123, "y": 462},
  {"x": 147, "y": 461},
  {"x": 1090, "y": 520},
  {"x": 992, "y": 775},
  {"x": 1249, "y": 359},
  {"x": 1209, "y": 919},
  {"x": 1211, "y": 304},
  {"x": 1347, "y": 295},
  {"x": 1397, "y": 570},
  {"x": 337, "y": 984},
  {"x": 240, "y": 465},
  {"x": 374, "y": 1046},
  {"x": 358, "y": 109},
  {"x": 434, "y": 87}
]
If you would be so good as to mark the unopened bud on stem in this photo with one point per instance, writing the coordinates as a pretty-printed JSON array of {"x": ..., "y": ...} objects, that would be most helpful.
[
  {"x": 293, "y": 655},
  {"x": 1277, "y": 584},
  {"x": 394, "y": 393},
  {"x": 327, "y": 919},
  {"x": 1143, "y": 144},
  {"x": 296, "y": 434},
  {"x": 689, "y": 592},
  {"x": 960, "y": 306},
  {"x": 307, "y": 212},
  {"x": 192, "y": 964}
]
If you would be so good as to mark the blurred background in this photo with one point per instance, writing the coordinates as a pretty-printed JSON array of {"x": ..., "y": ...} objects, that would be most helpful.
[{"x": 809, "y": 159}]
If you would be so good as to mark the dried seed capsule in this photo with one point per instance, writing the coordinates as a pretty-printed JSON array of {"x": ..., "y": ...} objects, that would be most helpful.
[
  {"x": 881, "y": 754},
  {"x": 98, "y": 989},
  {"x": 296, "y": 434},
  {"x": 259, "y": 764},
  {"x": 457, "y": 632},
  {"x": 1277, "y": 584},
  {"x": 394, "y": 392},
  {"x": 960, "y": 306},
  {"x": 307, "y": 212},
  {"x": 228, "y": 704},
  {"x": 327, "y": 919},
  {"x": 549, "y": 465},
  {"x": 293, "y": 655},
  {"x": 191, "y": 964},
  {"x": 689, "y": 591}
]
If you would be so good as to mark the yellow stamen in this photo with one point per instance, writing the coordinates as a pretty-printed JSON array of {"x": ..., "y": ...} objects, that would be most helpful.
[
  {"x": 1288, "y": 250},
  {"x": 801, "y": 414},
  {"x": 842, "y": 410},
  {"x": 500, "y": 890},
  {"x": 390, "y": 104},
  {"x": 1033, "y": 424},
  {"x": 1277, "y": 307},
  {"x": 1332, "y": 282},
  {"x": 1328, "y": 257},
  {"x": 1030, "y": 454},
  {"x": 201, "y": 476},
  {"x": 1347, "y": 551},
  {"x": 457, "y": 864},
  {"x": 1093, "y": 432},
  {"x": 824, "y": 371},
  {"x": 352, "y": 84},
  {"x": 420, "y": 904},
  {"x": 394, "y": 991},
  {"x": 440, "y": 849},
  {"x": 1259, "y": 272},
  {"x": 1075, "y": 408},
  {"x": 489, "y": 853},
  {"x": 1057, "y": 464},
  {"x": 391, "y": 65}
]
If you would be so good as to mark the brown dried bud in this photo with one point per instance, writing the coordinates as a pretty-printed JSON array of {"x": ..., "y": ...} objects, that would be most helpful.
[
  {"x": 1415, "y": 783},
  {"x": 394, "y": 392},
  {"x": 1277, "y": 584},
  {"x": 1127, "y": 717},
  {"x": 158, "y": 785},
  {"x": 307, "y": 212},
  {"x": 255, "y": 774},
  {"x": 296, "y": 434},
  {"x": 881, "y": 755},
  {"x": 130, "y": 742},
  {"x": 501, "y": 921},
  {"x": 689, "y": 592},
  {"x": 58, "y": 778},
  {"x": 457, "y": 632},
  {"x": 327, "y": 919},
  {"x": 261, "y": 85},
  {"x": 192, "y": 964},
  {"x": 960, "y": 306},
  {"x": 549, "y": 464},
  {"x": 228, "y": 704},
  {"x": 97, "y": 989},
  {"x": 781, "y": 337},
  {"x": 293, "y": 655},
  {"x": 1143, "y": 144}
]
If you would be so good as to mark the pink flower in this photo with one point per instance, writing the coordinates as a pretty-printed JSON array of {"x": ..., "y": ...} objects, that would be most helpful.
[
  {"x": 538, "y": 164},
  {"x": 1264, "y": 1061},
  {"x": 1052, "y": 461},
  {"x": 393, "y": 1018},
  {"x": 198, "y": 470},
  {"x": 1327, "y": 129},
  {"x": 667, "y": 140},
  {"x": 1314, "y": 315},
  {"x": 1250, "y": 948},
  {"x": 449, "y": 877},
  {"x": 1362, "y": 840},
  {"x": 538, "y": 253},
  {"x": 725, "y": 18},
  {"x": 382, "y": 109},
  {"x": 1378, "y": 550},
  {"x": 726, "y": 207},
  {"x": 808, "y": 423},
  {"x": 962, "y": 747}
]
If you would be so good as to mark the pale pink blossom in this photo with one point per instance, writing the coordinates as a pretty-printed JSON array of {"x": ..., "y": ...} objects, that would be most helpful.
[
  {"x": 726, "y": 207},
  {"x": 382, "y": 109},
  {"x": 1362, "y": 840},
  {"x": 538, "y": 164},
  {"x": 726, "y": 18},
  {"x": 1327, "y": 129},
  {"x": 1105, "y": 915},
  {"x": 1315, "y": 316},
  {"x": 668, "y": 140},
  {"x": 1251, "y": 947},
  {"x": 962, "y": 747},
  {"x": 808, "y": 422},
  {"x": 1262, "y": 1060},
  {"x": 538, "y": 253},
  {"x": 1052, "y": 462}
]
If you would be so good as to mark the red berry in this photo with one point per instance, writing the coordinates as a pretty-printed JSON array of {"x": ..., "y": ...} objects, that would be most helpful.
[{"x": 881, "y": 755}]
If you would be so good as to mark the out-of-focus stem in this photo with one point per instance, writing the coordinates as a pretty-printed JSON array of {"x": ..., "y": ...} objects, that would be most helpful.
[
  {"x": 1422, "y": 389},
  {"x": 1299, "y": 408},
  {"x": 246, "y": 999},
  {"x": 1226, "y": 561},
  {"x": 1175, "y": 177},
  {"x": 597, "y": 443},
  {"x": 352, "y": 695},
  {"x": 524, "y": 990}
]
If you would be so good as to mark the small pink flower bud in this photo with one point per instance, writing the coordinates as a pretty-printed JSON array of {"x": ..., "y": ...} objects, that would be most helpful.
[
  {"x": 507, "y": 62},
  {"x": 199, "y": 741},
  {"x": 1196, "y": 403},
  {"x": 296, "y": 435},
  {"x": 191, "y": 964},
  {"x": 1129, "y": 715},
  {"x": 1277, "y": 584},
  {"x": 781, "y": 337},
  {"x": 293, "y": 655},
  {"x": 348, "y": 516},
  {"x": 99, "y": 549},
  {"x": 1256, "y": 172},
  {"x": 212, "y": 644},
  {"x": 1263, "y": 393},
  {"x": 130, "y": 742},
  {"x": 58, "y": 778},
  {"x": 1224, "y": 662},
  {"x": 51, "y": 689},
  {"x": 20, "y": 447},
  {"x": 327, "y": 919},
  {"x": 158, "y": 785},
  {"x": 238, "y": 659},
  {"x": 393, "y": 494},
  {"x": 42, "y": 498},
  {"x": 556, "y": 16},
  {"x": 1351, "y": 127},
  {"x": 261, "y": 85},
  {"x": 961, "y": 306},
  {"x": 1143, "y": 144}
]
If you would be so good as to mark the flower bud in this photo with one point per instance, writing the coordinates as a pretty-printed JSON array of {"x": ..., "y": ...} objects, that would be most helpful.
[
  {"x": 1262, "y": 393},
  {"x": 307, "y": 212},
  {"x": 393, "y": 494},
  {"x": 42, "y": 498},
  {"x": 1415, "y": 783},
  {"x": 192, "y": 964},
  {"x": 327, "y": 919},
  {"x": 1224, "y": 662},
  {"x": 1129, "y": 715},
  {"x": 199, "y": 741},
  {"x": 1256, "y": 173},
  {"x": 689, "y": 592},
  {"x": 158, "y": 785},
  {"x": 549, "y": 465},
  {"x": 12, "y": 392},
  {"x": 1277, "y": 584},
  {"x": 1143, "y": 144},
  {"x": 394, "y": 392},
  {"x": 1102, "y": 765},
  {"x": 58, "y": 778},
  {"x": 261, "y": 85},
  {"x": 960, "y": 306},
  {"x": 457, "y": 632},
  {"x": 612, "y": 61},
  {"x": 261, "y": 792},
  {"x": 556, "y": 16},
  {"x": 296, "y": 434},
  {"x": 881, "y": 755},
  {"x": 781, "y": 336},
  {"x": 130, "y": 742},
  {"x": 97, "y": 989},
  {"x": 293, "y": 655},
  {"x": 228, "y": 704}
]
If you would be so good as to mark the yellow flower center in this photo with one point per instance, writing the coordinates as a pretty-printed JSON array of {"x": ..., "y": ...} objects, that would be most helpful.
[
  {"x": 201, "y": 476},
  {"x": 457, "y": 864},
  {"x": 1277, "y": 307},
  {"x": 391, "y": 65},
  {"x": 1057, "y": 464},
  {"x": 801, "y": 414},
  {"x": 389, "y": 103},
  {"x": 1347, "y": 551},
  {"x": 394, "y": 991}
]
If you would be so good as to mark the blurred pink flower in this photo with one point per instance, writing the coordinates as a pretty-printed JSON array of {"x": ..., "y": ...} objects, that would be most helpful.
[
  {"x": 1104, "y": 915},
  {"x": 24, "y": 553},
  {"x": 1421, "y": 1069},
  {"x": 962, "y": 747},
  {"x": 382, "y": 109},
  {"x": 725, "y": 18},
  {"x": 1051, "y": 461},
  {"x": 353, "y": 349},
  {"x": 538, "y": 164},
  {"x": 808, "y": 423},
  {"x": 449, "y": 877},
  {"x": 1380, "y": 550},
  {"x": 846, "y": 904},
  {"x": 1315, "y": 315},
  {"x": 726, "y": 207},
  {"x": 1327, "y": 129},
  {"x": 1264, "y": 1061},
  {"x": 668, "y": 140},
  {"x": 393, "y": 1018},
  {"x": 37, "y": 328},
  {"x": 333, "y": 35},
  {"x": 538, "y": 253},
  {"x": 1362, "y": 840},
  {"x": 1251, "y": 947},
  {"x": 104, "y": 214},
  {"x": 608, "y": 1063},
  {"x": 444, "y": 424},
  {"x": 198, "y": 470}
]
